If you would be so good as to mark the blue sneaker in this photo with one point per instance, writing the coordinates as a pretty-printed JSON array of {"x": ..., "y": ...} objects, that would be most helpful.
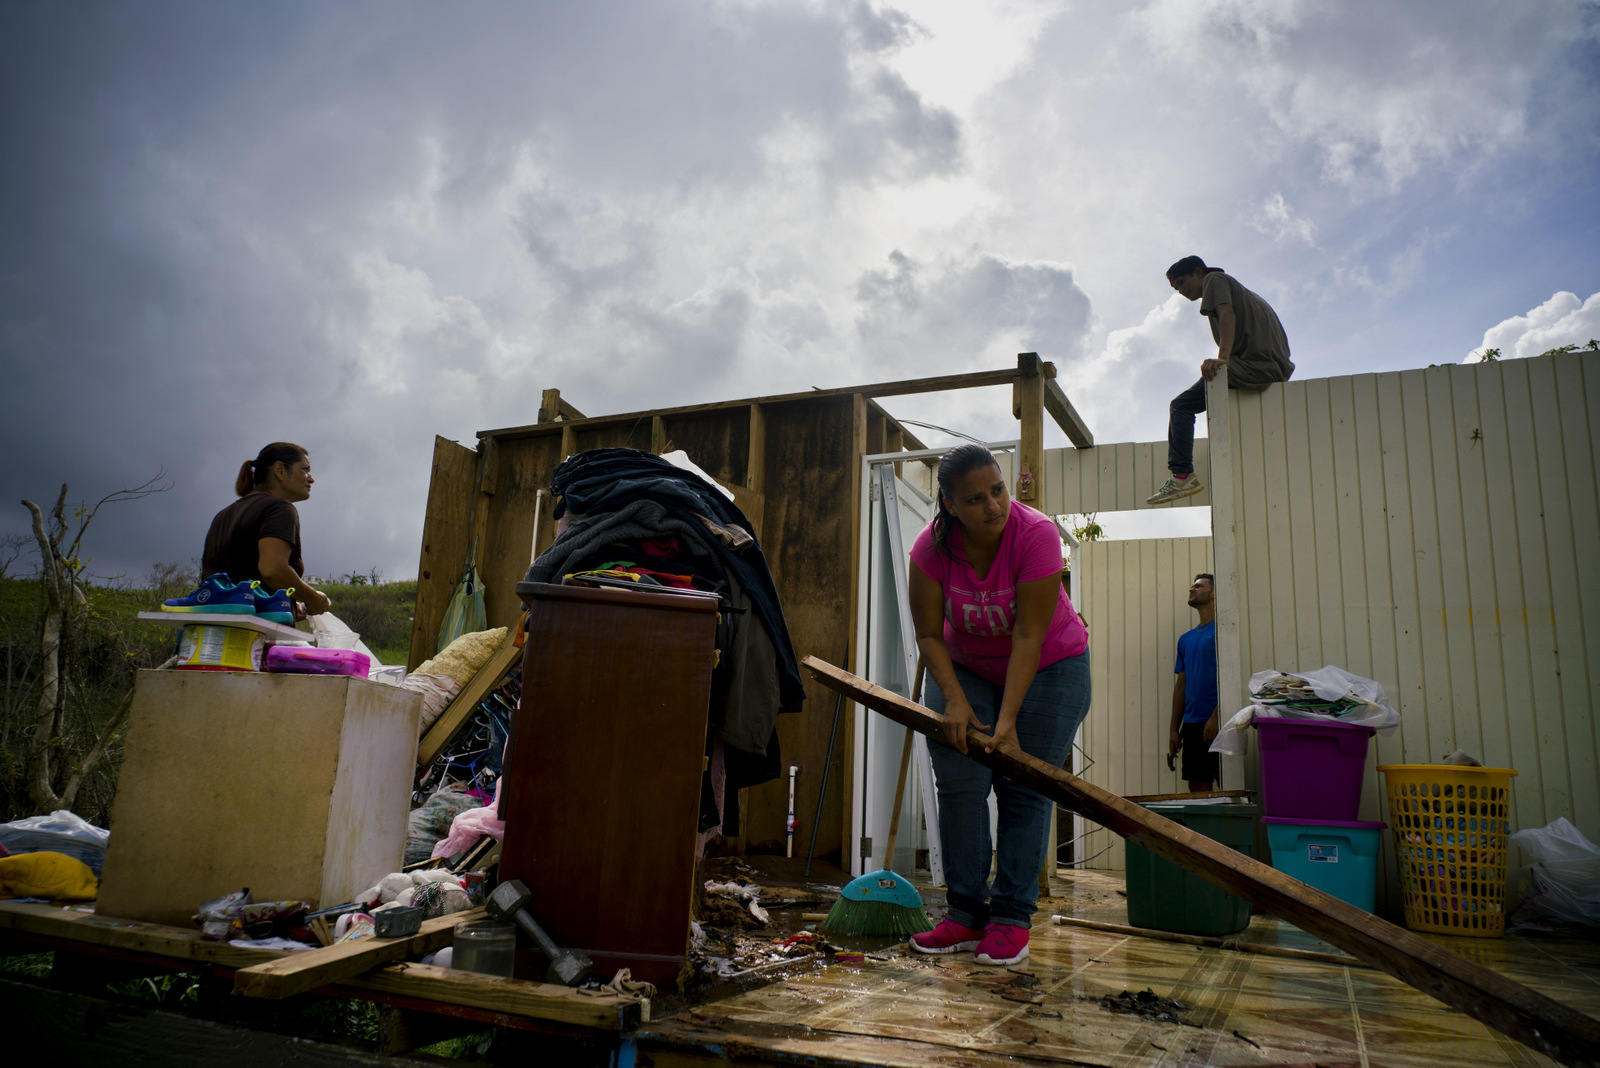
[
  {"x": 278, "y": 607},
  {"x": 217, "y": 596}
]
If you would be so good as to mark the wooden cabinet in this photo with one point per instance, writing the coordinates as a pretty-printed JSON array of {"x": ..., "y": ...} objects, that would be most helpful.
[
  {"x": 602, "y": 796},
  {"x": 296, "y": 786}
]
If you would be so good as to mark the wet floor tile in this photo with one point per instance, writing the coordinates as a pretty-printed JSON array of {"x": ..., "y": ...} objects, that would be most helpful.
[{"x": 1240, "y": 1009}]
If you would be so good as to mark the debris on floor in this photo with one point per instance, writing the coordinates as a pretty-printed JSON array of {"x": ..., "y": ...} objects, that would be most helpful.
[{"x": 1145, "y": 1003}]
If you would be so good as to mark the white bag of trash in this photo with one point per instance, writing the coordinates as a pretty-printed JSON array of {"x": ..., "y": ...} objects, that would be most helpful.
[{"x": 1364, "y": 702}]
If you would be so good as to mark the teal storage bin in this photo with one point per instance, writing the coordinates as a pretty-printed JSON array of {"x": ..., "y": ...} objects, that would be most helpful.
[
  {"x": 1337, "y": 857},
  {"x": 1164, "y": 897}
]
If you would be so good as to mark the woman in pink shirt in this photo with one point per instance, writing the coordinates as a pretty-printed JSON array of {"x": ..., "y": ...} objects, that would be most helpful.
[{"x": 1004, "y": 652}]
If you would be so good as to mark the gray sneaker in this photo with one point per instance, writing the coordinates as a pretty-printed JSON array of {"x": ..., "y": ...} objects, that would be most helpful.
[{"x": 1174, "y": 488}]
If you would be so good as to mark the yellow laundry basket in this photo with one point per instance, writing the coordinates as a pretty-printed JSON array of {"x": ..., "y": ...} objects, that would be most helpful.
[{"x": 1450, "y": 835}]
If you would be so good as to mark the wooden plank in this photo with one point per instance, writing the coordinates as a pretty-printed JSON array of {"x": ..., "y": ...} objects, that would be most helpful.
[
  {"x": 901, "y": 388},
  {"x": 1028, "y": 404},
  {"x": 1065, "y": 415},
  {"x": 111, "y": 932},
  {"x": 54, "y": 926},
  {"x": 513, "y": 997},
  {"x": 1540, "y": 1022},
  {"x": 755, "y": 466},
  {"x": 456, "y": 714},
  {"x": 444, "y": 543},
  {"x": 308, "y": 969}
]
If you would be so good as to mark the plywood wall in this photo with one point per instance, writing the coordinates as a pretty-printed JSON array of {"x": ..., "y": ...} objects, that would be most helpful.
[
  {"x": 1135, "y": 602},
  {"x": 1436, "y": 530}
]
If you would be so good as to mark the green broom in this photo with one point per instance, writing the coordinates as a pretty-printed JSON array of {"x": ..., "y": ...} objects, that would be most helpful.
[{"x": 881, "y": 902}]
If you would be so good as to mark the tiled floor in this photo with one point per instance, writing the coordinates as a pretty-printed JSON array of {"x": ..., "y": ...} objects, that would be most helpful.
[{"x": 1242, "y": 1009}]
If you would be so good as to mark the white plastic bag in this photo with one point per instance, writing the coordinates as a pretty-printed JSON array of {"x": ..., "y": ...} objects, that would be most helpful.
[
  {"x": 1331, "y": 684},
  {"x": 1561, "y": 888},
  {"x": 63, "y": 831}
]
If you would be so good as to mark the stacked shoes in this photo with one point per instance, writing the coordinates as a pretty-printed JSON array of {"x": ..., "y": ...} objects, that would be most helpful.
[{"x": 218, "y": 596}]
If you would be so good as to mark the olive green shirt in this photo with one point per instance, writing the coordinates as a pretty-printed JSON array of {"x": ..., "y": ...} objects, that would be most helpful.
[{"x": 1260, "y": 354}]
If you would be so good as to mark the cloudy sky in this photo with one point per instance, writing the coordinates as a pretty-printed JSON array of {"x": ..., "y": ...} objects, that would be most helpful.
[{"x": 358, "y": 225}]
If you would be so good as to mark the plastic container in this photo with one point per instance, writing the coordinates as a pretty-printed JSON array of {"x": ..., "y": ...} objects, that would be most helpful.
[
  {"x": 1311, "y": 770},
  {"x": 1164, "y": 897},
  {"x": 208, "y": 648},
  {"x": 1450, "y": 827},
  {"x": 1338, "y": 857},
  {"x": 337, "y": 639},
  {"x": 304, "y": 660},
  {"x": 485, "y": 946}
]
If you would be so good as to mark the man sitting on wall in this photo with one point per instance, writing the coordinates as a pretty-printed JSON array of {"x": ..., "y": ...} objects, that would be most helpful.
[
  {"x": 1194, "y": 695},
  {"x": 1250, "y": 341}
]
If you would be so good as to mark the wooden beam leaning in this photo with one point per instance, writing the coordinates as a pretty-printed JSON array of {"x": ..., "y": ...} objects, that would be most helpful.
[
  {"x": 1027, "y": 399},
  {"x": 455, "y": 715},
  {"x": 311, "y": 968},
  {"x": 1531, "y": 1018},
  {"x": 1062, "y": 411}
]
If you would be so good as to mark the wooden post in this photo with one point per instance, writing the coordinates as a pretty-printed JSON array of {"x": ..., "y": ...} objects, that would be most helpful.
[
  {"x": 569, "y": 441},
  {"x": 847, "y": 740},
  {"x": 550, "y": 406},
  {"x": 658, "y": 436},
  {"x": 1559, "y": 1032},
  {"x": 755, "y": 468},
  {"x": 1225, "y": 554},
  {"x": 1027, "y": 402}
]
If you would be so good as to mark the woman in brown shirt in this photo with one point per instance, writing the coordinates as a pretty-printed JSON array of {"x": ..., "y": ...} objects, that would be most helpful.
[{"x": 258, "y": 536}]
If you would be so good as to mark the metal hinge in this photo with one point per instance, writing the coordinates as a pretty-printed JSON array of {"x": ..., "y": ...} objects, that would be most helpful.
[
  {"x": 866, "y": 848},
  {"x": 872, "y": 493}
]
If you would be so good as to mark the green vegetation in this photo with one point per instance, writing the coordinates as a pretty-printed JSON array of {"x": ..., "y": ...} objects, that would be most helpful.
[{"x": 107, "y": 645}]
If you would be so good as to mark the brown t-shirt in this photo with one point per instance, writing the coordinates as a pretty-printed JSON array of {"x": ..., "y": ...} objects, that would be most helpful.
[
  {"x": 1260, "y": 353},
  {"x": 232, "y": 542}
]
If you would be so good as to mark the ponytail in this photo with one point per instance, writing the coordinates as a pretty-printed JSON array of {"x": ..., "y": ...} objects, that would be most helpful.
[
  {"x": 253, "y": 473},
  {"x": 953, "y": 465}
]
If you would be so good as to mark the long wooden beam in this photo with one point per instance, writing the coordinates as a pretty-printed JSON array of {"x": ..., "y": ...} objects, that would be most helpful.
[
  {"x": 1531, "y": 1018},
  {"x": 902, "y": 388}
]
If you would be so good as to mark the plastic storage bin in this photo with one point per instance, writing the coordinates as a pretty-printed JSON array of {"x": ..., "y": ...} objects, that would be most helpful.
[
  {"x": 304, "y": 660},
  {"x": 1311, "y": 770},
  {"x": 1338, "y": 857},
  {"x": 1164, "y": 897},
  {"x": 1450, "y": 832}
]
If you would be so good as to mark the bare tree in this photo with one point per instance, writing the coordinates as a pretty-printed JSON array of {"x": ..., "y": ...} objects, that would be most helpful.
[
  {"x": 12, "y": 546},
  {"x": 60, "y": 569}
]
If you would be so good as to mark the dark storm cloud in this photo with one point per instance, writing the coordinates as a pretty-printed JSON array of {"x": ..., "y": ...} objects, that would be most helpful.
[{"x": 225, "y": 225}]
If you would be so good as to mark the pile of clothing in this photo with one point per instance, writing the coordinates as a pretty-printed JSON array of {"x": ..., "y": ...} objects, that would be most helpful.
[{"x": 634, "y": 515}]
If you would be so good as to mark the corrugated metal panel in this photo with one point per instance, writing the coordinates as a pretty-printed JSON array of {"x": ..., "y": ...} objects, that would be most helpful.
[
  {"x": 1135, "y": 604},
  {"x": 1437, "y": 530},
  {"x": 1115, "y": 478}
]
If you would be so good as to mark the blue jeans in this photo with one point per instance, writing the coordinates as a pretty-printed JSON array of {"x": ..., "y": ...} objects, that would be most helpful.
[
  {"x": 1180, "y": 428},
  {"x": 1049, "y": 719}
]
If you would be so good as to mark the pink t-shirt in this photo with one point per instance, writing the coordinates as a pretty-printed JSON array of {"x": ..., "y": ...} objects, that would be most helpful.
[{"x": 978, "y": 613}]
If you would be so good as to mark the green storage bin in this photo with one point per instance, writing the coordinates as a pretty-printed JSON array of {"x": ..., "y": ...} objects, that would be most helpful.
[{"x": 1164, "y": 897}]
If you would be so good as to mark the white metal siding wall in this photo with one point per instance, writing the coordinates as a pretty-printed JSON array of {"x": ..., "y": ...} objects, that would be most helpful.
[
  {"x": 1437, "y": 530},
  {"x": 1135, "y": 602}
]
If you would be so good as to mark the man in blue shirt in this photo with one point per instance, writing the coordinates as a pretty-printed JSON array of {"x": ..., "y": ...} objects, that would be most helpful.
[{"x": 1194, "y": 695}]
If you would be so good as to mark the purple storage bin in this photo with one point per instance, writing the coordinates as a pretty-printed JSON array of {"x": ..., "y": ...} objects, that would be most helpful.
[{"x": 1311, "y": 769}]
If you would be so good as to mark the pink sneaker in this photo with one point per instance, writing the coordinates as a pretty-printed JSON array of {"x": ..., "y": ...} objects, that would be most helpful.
[
  {"x": 1002, "y": 944},
  {"x": 948, "y": 937}
]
